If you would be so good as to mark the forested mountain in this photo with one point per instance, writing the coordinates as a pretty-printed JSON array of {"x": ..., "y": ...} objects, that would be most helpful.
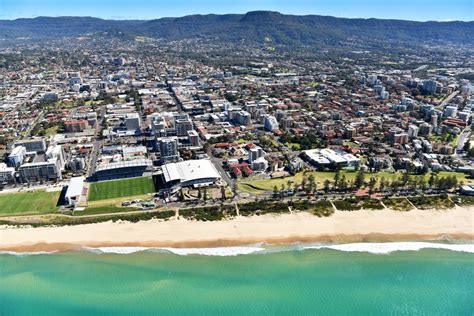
[{"x": 257, "y": 27}]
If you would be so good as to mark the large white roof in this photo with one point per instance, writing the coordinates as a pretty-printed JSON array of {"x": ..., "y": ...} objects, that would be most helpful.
[
  {"x": 190, "y": 170},
  {"x": 75, "y": 187}
]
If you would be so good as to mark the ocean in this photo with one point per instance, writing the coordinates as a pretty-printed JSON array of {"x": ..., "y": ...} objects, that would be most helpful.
[{"x": 351, "y": 279}]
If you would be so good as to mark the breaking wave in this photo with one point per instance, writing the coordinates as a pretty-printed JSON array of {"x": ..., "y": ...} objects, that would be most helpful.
[
  {"x": 218, "y": 251},
  {"x": 389, "y": 247},
  {"x": 374, "y": 248}
]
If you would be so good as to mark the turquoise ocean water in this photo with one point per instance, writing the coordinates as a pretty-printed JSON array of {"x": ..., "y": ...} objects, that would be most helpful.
[{"x": 289, "y": 282}]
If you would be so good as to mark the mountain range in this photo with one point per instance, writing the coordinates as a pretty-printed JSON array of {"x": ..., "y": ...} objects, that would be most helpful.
[{"x": 256, "y": 27}]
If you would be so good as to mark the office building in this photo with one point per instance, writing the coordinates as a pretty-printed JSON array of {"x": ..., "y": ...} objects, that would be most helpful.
[
  {"x": 37, "y": 145},
  {"x": 15, "y": 159},
  {"x": 270, "y": 123},
  {"x": 40, "y": 171},
  {"x": 168, "y": 147},
  {"x": 132, "y": 122}
]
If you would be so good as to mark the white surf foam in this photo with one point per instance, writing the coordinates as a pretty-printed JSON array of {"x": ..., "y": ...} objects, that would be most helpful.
[
  {"x": 218, "y": 251},
  {"x": 116, "y": 250},
  {"x": 32, "y": 253},
  {"x": 388, "y": 247}
]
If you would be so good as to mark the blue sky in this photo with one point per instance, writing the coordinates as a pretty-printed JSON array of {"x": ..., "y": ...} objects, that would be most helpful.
[{"x": 420, "y": 10}]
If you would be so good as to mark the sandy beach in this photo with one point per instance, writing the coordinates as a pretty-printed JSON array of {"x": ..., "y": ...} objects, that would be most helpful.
[{"x": 358, "y": 226}]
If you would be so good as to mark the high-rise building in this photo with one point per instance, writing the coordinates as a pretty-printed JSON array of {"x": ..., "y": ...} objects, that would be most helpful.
[
  {"x": 434, "y": 120},
  {"x": 37, "y": 145},
  {"x": 168, "y": 147},
  {"x": 425, "y": 129},
  {"x": 413, "y": 131},
  {"x": 193, "y": 137},
  {"x": 132, "y": 121},
  {"x": 255, "y": 153},
  {"x": 17, "y": 156},
  {"x": 451, "y": 111},
  {"x": 429, "y": 86},
  {"x": 182, "y": 124},
  {"x": 271, "y": 123},
  {"x": 38, "y": 171}
]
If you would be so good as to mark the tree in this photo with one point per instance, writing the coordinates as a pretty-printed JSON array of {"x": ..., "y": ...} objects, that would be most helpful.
[
  {"x": 303, "y": 183},
  {"x": 405, "y": 178},
  {"x": 382, "y": 184},
  {"x": 372, "y": 183},
  {"x": 312, "y": 182},
  {"x": 234, "y": 189},
  {"x": 205, "y": 194},
  {"x": 470, "y": 153},
  {"x": 223, "y": 193},
  {"x": 343, "y": 182},
  {"x": 327, "y": 184},
  {"x": 422, "y": 184},
  {"x": 275, "y": 191},
  {"x": 337, "y": 178},
  {"x": 394, "y": 185},
  {"x": 359, "y": 180},
  {"x": 431, "y": 180}
]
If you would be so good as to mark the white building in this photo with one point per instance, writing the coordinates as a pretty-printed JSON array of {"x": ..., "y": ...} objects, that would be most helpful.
[
  {"x": 255, "y": 153},
  {"x": 57, "y": 152},
  {"x": 7, "y": 174},
  {"x": 74, "y": 190},
  {"x": 451, "y": 111},
  {"x": 190, "y": 173},
  {"x": 17, "y": 156},
  {"x": 413, "y": 131},
  {"x": 271, "y": 123},
  {"x": 329, "y": 158}
]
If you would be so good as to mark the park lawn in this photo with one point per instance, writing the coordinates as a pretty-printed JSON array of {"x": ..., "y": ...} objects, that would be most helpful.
[
  {"x": 293, "y": 146},
  {"x": 107, "y": 190},
  {"x": 256, "y": 186},
  {"x": 29, "y": 203}
]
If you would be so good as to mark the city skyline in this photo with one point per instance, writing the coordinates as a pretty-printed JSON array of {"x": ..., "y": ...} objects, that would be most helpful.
[{"x": 417, "y": 10}]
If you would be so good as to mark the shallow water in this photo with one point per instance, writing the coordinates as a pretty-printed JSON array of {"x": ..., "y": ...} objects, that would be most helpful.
[{"x": 294, "y": 280}]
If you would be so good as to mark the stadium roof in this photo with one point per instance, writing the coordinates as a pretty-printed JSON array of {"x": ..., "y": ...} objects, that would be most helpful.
[
  {"x": 125, "y": 164},
  {"x": 75, "y": 187},
  {"x": 190, "y": 170}
]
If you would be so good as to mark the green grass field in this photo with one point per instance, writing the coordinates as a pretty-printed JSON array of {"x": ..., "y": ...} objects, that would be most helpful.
[
  {"x": 259, "y": 186},
  {"x": 28, "y": 203},
  {"x": 120, "y": 188}
]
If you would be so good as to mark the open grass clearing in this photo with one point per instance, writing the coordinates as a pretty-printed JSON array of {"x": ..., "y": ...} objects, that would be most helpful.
[
  {"x": 29, "y": 203},
  {"x": 107, "y": 190}
]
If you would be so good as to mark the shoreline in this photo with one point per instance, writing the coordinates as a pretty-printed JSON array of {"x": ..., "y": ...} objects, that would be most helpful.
[{"x": 455, "y": 224}]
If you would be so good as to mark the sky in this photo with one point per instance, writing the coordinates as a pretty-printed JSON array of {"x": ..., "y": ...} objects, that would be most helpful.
[{"x": 418, "y": 10}]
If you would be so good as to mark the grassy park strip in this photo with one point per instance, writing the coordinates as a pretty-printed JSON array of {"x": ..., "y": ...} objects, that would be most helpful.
[
  {"x": 29, "y": 203},
  {"x": 107, "y": 190},
  {"x": 260, "y": 186}
]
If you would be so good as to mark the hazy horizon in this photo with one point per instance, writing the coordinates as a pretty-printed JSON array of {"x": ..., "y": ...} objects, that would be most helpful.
[{"x": 413, "y": 10}]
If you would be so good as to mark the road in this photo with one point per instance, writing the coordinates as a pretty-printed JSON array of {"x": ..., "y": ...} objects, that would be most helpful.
[
  {"x": 96, "y": 145},
  {"x": 218, "y": 164},
  {"x": 449, "y": 98}
]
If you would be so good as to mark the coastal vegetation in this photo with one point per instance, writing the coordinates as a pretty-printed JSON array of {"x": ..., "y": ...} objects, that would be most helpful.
[
  {"x": 210, "y": 213},
  {"x": 61, "y": 220},
  {"x": 120, "y": 188},
  {"x": 432, "y": 202}
]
